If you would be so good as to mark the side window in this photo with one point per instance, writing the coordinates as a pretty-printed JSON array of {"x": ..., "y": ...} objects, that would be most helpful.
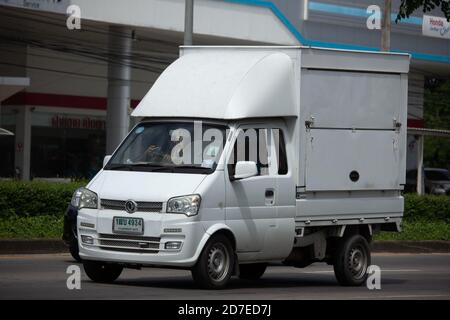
[
  {"x": 280, "y": 147},
  {"x": 251, "y": 145}
]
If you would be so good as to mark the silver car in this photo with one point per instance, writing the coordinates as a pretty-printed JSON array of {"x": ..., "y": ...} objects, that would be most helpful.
[{"x": 437, "y": 181}]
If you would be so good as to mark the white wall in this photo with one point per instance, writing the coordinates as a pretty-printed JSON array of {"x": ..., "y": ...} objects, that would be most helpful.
[{"x": 214, "y": 18}]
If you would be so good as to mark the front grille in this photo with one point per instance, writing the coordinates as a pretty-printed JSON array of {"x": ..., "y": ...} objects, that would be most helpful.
[
  {"x": 126, "y": 243},
  {"x": 142, "y": 206},
  {"x": 131, "y": 250}
]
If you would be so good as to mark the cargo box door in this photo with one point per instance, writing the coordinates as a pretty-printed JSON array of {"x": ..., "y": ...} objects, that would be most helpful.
[
  {"x": 351, "y": 100},
  {"x": 352, "y": 160}
]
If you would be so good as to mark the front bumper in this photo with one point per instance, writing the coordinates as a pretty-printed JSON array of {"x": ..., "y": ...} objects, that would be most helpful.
[{"x": 147, "y": 249}]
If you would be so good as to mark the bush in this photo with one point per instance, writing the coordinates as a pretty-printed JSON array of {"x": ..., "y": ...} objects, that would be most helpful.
[
  {"x": 36, "y": 198},
  {"x": 428, "y": 208},
  {"x": 51, "y": 198},
  {"x": 49, "y": 227},
  {"x": 418, "y": 230},
  {"x": 35, "y": 210}
]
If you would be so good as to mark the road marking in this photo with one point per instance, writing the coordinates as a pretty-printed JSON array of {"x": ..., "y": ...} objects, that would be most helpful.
[
  {"x": 382, "y": 270},
  {"x": 399, "y": 254},
  {"x": 400, "y": 270},
  {"x": 412, "y": 296}
]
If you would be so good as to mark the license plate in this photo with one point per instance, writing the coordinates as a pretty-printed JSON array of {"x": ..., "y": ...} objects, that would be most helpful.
[{"x": 128, "y": 225}]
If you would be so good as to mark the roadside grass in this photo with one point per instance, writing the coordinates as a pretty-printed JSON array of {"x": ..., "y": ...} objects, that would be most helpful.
[
  {"x": 419, "y": 230},
  {"x": 50, "y": 227}
]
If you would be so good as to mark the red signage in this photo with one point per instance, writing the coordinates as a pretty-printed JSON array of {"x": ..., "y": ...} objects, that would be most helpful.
[{"x": 78, "y": 123}]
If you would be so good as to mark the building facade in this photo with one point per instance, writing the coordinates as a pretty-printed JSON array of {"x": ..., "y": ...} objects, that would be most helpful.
[{"x": 67, "y": 92}]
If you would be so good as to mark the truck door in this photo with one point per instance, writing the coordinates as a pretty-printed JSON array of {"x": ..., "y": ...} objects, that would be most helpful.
[
  {"x": 280, "y": 239},
  {"x": 252, "y": 203}
]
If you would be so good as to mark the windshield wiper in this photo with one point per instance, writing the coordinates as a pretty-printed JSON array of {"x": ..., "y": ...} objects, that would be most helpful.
[
  {"x": 186, "y": 166},
  {"x": 118, "y": 166},
  {"x": 130, "y": 166}
]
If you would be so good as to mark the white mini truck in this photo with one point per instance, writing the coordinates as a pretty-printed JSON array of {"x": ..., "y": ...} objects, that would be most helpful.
[{"x": 185, "y": 189}]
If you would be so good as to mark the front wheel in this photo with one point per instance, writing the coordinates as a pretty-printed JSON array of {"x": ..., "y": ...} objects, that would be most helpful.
[
  {"x": 252, "y": 271},
  {"x": 352, "y": 259},
  {"x": 215, "y": 264},
  {"x": 74, "y": 250},
  {"x": 101, "y": 271}
]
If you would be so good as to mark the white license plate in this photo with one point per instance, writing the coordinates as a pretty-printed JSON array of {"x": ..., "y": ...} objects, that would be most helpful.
[{"x": 128, "y": 225}]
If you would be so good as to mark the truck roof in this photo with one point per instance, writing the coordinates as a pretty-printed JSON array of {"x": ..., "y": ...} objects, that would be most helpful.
[{"x": 230, "y": 82}]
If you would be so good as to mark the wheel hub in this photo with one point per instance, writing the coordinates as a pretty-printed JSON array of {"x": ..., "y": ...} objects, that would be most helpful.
[
  {"x": 218, "y": 262},
  {"x": 357, "y": 262}
]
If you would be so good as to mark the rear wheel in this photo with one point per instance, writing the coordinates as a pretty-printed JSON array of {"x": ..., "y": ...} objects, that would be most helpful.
[
  {"x": 352, "y": 258},
  {"x": 252, "y": 271},
  {"x": 101, "y": 271},
  {"x": 215, "y": 264}
]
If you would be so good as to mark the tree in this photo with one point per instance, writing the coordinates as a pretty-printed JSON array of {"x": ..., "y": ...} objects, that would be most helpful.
[
  {"x": 407, "y": 7},
  {"x": 437, "y": 116}
]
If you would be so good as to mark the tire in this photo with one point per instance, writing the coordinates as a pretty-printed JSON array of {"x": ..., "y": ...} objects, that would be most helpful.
[
  {"x": 252, "y": 271},
  {"x": 215, "y": 265},
  {"x": 101, "y": 271},
  {"x": 352, "y": 258},
  {"x": 70, "y": 236},
  {"x": 74, "y": 251}
]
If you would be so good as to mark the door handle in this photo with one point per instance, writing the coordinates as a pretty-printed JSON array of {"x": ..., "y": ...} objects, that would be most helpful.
[
  {"x": 269, "y": 197},
  {"x": 269, "y": 193}
]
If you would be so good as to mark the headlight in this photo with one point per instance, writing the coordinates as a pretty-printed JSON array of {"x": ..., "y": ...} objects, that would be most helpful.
[
  {"x": 84, "y": 198},
  {"x": 187, "y": 205}
]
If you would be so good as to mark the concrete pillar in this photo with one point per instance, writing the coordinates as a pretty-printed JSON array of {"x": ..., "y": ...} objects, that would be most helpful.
[
  {"x": 305, "y": 10},
  {"x": 188, "y": 22},
  {"x": 22, "y": 142},
  {"x": 119, "y": 74},
  {"x": 420, "y": 178},
  {"x": 386, "y": 26}
]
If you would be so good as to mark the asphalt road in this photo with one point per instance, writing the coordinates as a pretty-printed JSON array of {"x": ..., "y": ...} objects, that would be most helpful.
[{"x": 403, "y": 276}]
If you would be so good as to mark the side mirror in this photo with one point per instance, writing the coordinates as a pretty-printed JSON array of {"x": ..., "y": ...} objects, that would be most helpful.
[
  {"x": 245, "y": 169},
  {"x": 106, "y": 159}
]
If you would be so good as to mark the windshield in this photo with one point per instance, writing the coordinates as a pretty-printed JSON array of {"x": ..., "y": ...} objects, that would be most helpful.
[{"x": 187, "y": 147}]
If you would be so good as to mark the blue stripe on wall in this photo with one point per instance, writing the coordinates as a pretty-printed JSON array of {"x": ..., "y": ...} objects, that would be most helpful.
[
  {"x": 278, "y": 14},
  {"x": 326, "y": 44},
  {"x": 355, "y": 12}
]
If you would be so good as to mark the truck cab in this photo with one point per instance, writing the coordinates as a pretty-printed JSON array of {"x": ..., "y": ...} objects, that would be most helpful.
[{"x": 246, "y": 155}]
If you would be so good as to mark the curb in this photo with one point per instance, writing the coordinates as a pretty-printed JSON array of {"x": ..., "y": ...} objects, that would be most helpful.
[
  {"x": 32, "y": 246},
  {"x": 21, "y": 246},
  {"x": 411, "y": 246}
]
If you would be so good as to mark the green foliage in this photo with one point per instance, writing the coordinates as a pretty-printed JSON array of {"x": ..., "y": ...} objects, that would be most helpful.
[
  {"x": 437, "y": 116},
  {"x": 50, "y": 227},
  {"x": 418, "y": 230},
  {"x": 437, "y": 152},
  {"x": 31, "y": 227},
  {"x": 427, "y": 208},
  {"x": 407, "y": 7},
  {"x": 437, "y": 104},
  {"x": 35, "y": 210},
  {"x": 35, "y": 198}
]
